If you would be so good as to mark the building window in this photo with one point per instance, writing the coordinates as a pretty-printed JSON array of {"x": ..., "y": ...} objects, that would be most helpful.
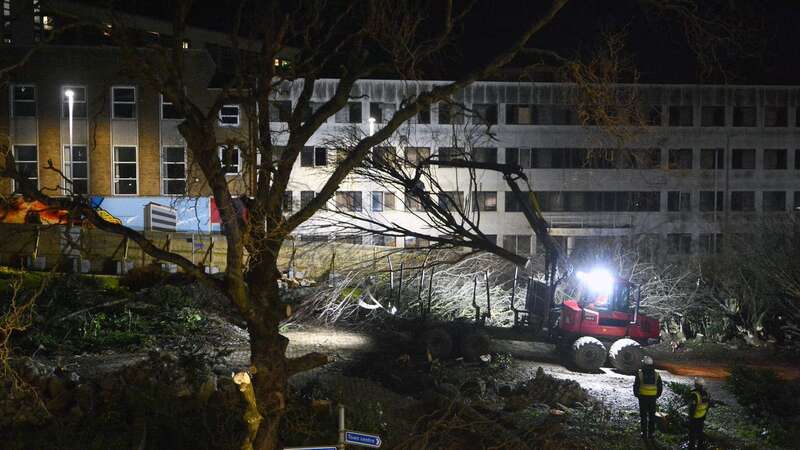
[
  {"x": 452, "y": 154},
  {"x": 450, "y": 113},
  {"x": 773, "y": 201},
  {"x": 712, "y": 158},
  {"x": 679, "y": 243},
  {"x": 775, "y": 159},
  {"x": 313, "y": 156},
  {"x": 680, "y": 158},
  {"x": 744, "y": 116},
  {"x": 229, "y": 116},
  {"x": 484, "y": 154},
  {"x": 306, "y": 197},
  {"x": 422, "y": 117},
  {"x": 655, "y": 114},
  {"x": 168, "y": 110},
  {"x": 415, "y": 242},
  {"x": 382, "y": 201},
  {"x": 681, "y": 116},
  {"x": 76, "y": 169},
  {"x": 384, "y": 241},
  {"x": 23, "y": 100},
  {"x": 743, "y": 159},
  {"x": 280, "y": 111},
  {"x": 554, "y": 115},
  {"x": 451, "y": 201},
  {"x": 512, "y": 203},
  {"x": 78, "y": 102},
  {"x": 679, "y": 201},
  {"x": 484, "y": 201},
  {"x": 230, "y": 159},
  {"x": 519, "y": 114},
  {"x": 775, "y": 116},
  {"x": 173, "y": 170},
  {"x": 797, "y": 159},
  {"x": 712, "y": 116},
  {"x": 349, "y": 114},
  {"x": 288, "y": 201},
  {"x": 413, "y": 203},
  {"x": 123, "y": 102},
  {"x": 518, "y": 243},
  {"x": 485, "y": 113},
  {"x": 382, "y": 112},
  {"x": 415, "y": 155},
  {"x": 125, "y": 171},
  {"x": 797, "y": 200},
  {"x": 25, "y": 158},
  {"x": 743, "y": 201},
  {"x": 710, "y": 243},
  {"x": 599, "y": 201},
  {"x": 711, "y": 201},
  {"x": 348, "y": 200}
]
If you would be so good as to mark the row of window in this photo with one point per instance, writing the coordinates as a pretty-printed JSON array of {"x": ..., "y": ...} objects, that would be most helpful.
[
  {"x": 123, "y": 104},
  {"x": 565, "y": 201}
]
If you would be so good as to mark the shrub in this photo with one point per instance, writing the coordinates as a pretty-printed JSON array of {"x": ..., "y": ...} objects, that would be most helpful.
[
  {"x": 763, "y": 393},
  {"x": 143, "y": 277}
]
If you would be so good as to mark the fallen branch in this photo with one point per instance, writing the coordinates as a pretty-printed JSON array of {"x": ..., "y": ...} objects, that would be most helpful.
[{"x": 92, "y": 308}]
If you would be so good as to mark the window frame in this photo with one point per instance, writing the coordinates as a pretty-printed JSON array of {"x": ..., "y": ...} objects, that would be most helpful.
[
  {"x": 17, "y": 162},
  {"x": 238, "y": 116},
  {"x": 164, "y": 171},
  {"x": 239, "y": 165},
  {"x": 114, "y": 163},
  {"x": 163, "y": 103},
  {"x": 14, "y": 101},
  {"x": 115, "y": 102},
  {"x": 67, "y": 166}
]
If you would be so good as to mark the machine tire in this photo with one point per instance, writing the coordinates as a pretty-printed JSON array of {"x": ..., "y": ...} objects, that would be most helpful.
[
  {"x": 625, "y": 355},
  {"x": 438, "y": 343},
  {"x": 588, "y": 353},
  {"x": 474, "y": 344}
]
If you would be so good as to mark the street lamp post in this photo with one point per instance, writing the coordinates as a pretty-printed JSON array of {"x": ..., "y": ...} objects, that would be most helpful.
[{"x": 70, "y": 103}]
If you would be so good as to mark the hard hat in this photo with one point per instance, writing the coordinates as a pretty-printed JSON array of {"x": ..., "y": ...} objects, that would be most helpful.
[
  {"x": 700, "y": 382},
  {"x": 647, "y": 361}
]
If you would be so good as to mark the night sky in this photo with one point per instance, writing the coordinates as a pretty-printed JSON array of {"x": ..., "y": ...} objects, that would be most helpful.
[{"x": 767, "y": 51}]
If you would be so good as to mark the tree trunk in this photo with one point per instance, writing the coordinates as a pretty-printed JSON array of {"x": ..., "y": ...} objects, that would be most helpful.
[{"x": 270, "y": 376}]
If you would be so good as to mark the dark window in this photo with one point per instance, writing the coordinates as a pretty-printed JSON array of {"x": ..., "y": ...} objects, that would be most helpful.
[
  {"x": 230, "y": 159},
  {"x": 452, "y": 200},
  {"x": 485, "y": 113},
  {"x": 484, "y": 201},
  {"x": 423, "y": 116},
  {"x": 681, "y": 116},
  {"x": 125, "y": 172},
  {"x": 743, "y": 159},
  {"x": 712, "y": 158},
  {"x": 554, "y": 115},
  {"x": 349, "y": 114},
  {"x": 797, "y": 159},
  {"x": 711, "y": 201},
  {"x": 229, "y": 116},
  {"x": 382, "y": 201},
  {"x": 680, "y": 159},
  {"x": 382, "y": 112},
  {"x": 713, "y": 116},
  {"x": 26, "y": 160},
  {"x": 655, "y": 116},
  {"x": 775, "y": 159},
  {"x": 744, "y": 116},
  {"x": 288, "y": 201},
  {"x": 173, "y": 170},
  {"x": 679, "y": 243},
  {"x": 512, "y": 203},
  {"x": 710, "y": 243},
  {"x": 484, "y": 154},
  {"x": 773, "y": 201},
  {"x": 168, "y": 110},
  {"x": 123, "y": 102},
  {"x": 349, "y": 200},
  {"x": 415, "y": 155},
  {"x": 452, "y": 154},
  {"x": 512, "y": 156},
  {"x": 280, "y": 111},
  {"x": 24, "y": 100},
  {"x": 743, "y": 201},
  {"x": 775, "y": 116},
  {"x": 611, "y": 201},
  {"x": 306, "y": 197},
  {"x": 313, "y": 156},
  {"x": 796, "y": 200},
  {"x": 679, "y": 201},
  {"x": 78, "y": 102},
  {"x": 383, "y": 156},
  {"x": 450, "y": 113},
  {"x": 517, "y": 243},
  {"x": 519, "y": 114}
]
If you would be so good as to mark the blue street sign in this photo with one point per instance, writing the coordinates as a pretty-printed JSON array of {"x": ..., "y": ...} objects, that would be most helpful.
[
  {"x": 362, "y": 439},
  {"x": 333, "y": 447}
]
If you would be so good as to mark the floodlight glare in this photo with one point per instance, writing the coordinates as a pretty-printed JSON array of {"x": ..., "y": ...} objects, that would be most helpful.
[
  {"x": 598, "y": 280},
  {"x": 69, "y": 93}
]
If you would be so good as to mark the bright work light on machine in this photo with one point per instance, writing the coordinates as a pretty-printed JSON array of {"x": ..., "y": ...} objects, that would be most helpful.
[{"x": 598, "y": 280}]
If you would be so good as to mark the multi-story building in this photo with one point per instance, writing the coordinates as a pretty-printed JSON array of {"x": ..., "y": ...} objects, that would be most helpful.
[{"x": 707, "y": 160}]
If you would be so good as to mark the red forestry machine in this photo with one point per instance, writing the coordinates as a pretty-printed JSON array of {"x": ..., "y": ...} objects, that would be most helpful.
[{"x": 601, "y": 322}]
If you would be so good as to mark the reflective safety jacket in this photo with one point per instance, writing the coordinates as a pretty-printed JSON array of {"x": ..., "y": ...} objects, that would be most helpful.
[
  {"x": 647, "y": 386},
  {"x": 699, "y": 406}
]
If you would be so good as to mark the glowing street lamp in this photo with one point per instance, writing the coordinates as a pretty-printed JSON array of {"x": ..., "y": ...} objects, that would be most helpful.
[
  {"x": 70, "y": 94},
  {"x": 371, "y": 121}
]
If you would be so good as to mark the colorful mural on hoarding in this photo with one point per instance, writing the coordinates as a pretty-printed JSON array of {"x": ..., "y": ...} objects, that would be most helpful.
[{"x": 193, "y": 214}]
